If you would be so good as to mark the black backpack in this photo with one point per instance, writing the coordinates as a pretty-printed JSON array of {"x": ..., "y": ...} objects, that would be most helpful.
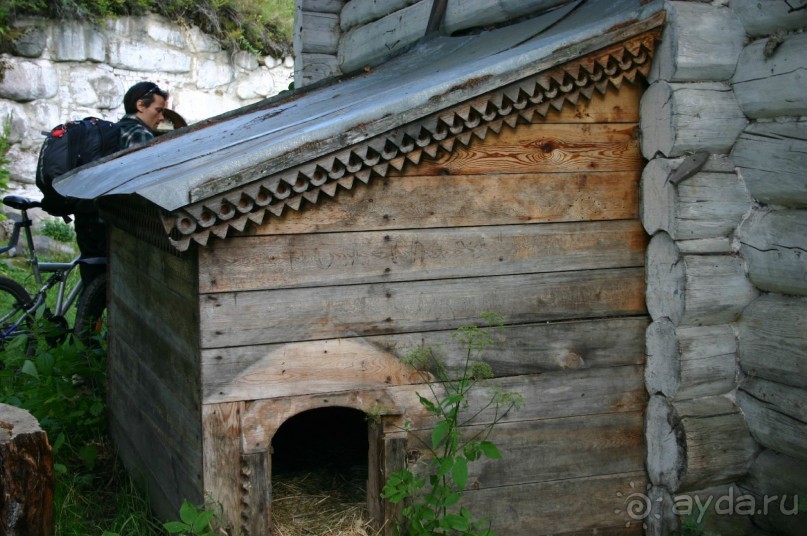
[{"x": 69, "y": 146}]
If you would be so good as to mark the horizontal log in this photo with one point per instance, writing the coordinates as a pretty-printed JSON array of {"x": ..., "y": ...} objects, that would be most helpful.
[
  {"x": 26, "y": 475},
  {"x": 241, "y": 319},
  {"x": 681, "y": 118},
  {"x": 701, "y": 42},
  {"x": 319, "y": 32},
  {"x": 787, "y": 400},
  {"x": 690, "y": 361},
  {"x": 323, "y": 6},
  {"x": 358, "y": 12},
  {"x": 420, "y": 202},
  {"x": 779, "y": 484},
  {"x": 773, "y": 244},
  {"x": 283, "y": 261},
  {"x": 771, "y": 158},
  {"x": 770, "y": 84},
  {"x": 772, "y": 428},
  {"x": 228, "y": 373},
  {"x": 764, "y": 18},
  {"x": 697, "y": 443},
  {"x": 694, "y": 289},
  {"x": 773, "y": 340},
  {"x": 465, "y": 14},
  {"x": 544, "y": 148},
  {"x": 551, "y": 395},
  {"x": 371, "y": 43},
  {"x": 702, "y": 246},
  {"x": 706, "y": 205}
]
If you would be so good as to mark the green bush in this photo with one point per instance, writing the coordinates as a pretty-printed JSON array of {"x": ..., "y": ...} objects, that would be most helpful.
[
  {"x": 58, "y": 230},
  {"x": 260, "y": 26}
]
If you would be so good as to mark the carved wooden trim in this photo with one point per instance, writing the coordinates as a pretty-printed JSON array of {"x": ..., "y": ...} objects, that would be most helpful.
[{"x": 427, "y": 137}]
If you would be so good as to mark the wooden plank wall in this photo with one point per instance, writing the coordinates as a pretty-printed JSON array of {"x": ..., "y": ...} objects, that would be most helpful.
[
  {"x": 539, "y": 224},
  {"x": 153, "y": 373}
]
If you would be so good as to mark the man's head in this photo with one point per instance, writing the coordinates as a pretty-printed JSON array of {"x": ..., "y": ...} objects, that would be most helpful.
[{"x": 147, "y": 101}]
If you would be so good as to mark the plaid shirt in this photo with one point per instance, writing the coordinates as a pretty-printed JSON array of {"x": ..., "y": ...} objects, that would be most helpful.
[{"x": 133, "y": 132}]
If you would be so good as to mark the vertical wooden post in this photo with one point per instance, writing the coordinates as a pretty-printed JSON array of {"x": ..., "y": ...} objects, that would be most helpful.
[{"x": 26, "y": 475}]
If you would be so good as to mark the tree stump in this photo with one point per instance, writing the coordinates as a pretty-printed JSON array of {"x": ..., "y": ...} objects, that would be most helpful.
[{"x": 26, "y": 475}]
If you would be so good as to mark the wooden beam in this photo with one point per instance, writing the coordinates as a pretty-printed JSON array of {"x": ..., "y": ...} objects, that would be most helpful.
[{"x": 773, "y": 244}]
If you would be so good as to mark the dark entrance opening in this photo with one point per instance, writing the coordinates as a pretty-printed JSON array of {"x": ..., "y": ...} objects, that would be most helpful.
[{"x": 320, "y": 467}]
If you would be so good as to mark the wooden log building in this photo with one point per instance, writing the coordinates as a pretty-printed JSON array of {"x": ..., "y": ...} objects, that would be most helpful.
[{"x": 605, "y": 175}]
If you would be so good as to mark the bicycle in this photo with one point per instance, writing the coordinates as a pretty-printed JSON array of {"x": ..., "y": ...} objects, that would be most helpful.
[{"x": 18, "y": 309}]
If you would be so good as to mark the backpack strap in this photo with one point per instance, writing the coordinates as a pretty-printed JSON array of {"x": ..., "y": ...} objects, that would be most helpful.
[{"x": 74, "y": 143}]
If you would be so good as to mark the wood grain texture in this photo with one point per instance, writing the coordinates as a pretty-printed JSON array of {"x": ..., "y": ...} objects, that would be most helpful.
[
  {"x": 772, "y": 428},
  {"x": 545, "y": 148},
  {"x": 428, "y": 201},
  {"x": 523, "y": 349},
  {"x": 613, "y": 107},
  {"x": 319, "y": 259},
  {"x": 241, "y": 319},
  {"x": 221, "y": 458}
]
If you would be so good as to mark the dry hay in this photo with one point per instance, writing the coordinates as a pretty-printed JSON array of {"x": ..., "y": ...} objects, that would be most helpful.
[{"x": 319, "y": 503}]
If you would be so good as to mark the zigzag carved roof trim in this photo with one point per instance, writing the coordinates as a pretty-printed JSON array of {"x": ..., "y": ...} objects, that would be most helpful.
[{"x": 427, "y": 137}]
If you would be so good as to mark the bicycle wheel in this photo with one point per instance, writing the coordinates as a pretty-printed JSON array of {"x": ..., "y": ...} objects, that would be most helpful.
[
  {"x": 15, "y": 321},
  {"x": 91, "y": 311}
]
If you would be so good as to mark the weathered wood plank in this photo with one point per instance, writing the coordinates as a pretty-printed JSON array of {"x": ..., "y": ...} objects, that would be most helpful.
[
  {"x": 320, "y": 32},
  {"x": 260, "y": 317},
  {"x": 221, "y": 453},
  {"x": 323, "y": 6},
  {"x": 694, "y": 289},
  {"x": 773, "y": 244},
  {"x": 548, "y": 450},
  {"x": 788, "y": 400},
  {"x": 772, "y": 158},
  {"x": 544, "y": 148},
  {"x": 524, "y": 349},
  {"x": 153, "y": 265},
  {"x": 588, "y": 505},
  {"x": 681, "y": 118},
  {"x": 701, "y": 43},
  {"x": 411, "y": 202},
  {"x": 358, "y": 12},
  {"x": 620, "y": 106},
  {"x": 773, "y": 340},
  {"x": 465, "y": 14},
  {"x": 771, "y": 85},
  {"x": 546, "y": 396},
  {"x": 310, "y": 68},
  {"x": 283, "y": 261}
]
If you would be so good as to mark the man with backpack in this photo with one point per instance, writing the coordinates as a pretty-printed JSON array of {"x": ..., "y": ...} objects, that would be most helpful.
[{"x": 76, "y": 143}]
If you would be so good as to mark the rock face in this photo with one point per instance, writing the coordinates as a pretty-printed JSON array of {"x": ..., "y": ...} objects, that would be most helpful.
[{"x": 72, "y": 69}]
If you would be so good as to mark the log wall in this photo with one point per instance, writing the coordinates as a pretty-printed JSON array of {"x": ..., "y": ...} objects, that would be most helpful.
[
  {"x": 153, "y": 374},
  {"x": 537, "y": 223},
  {"x": 724, "y": 198}
]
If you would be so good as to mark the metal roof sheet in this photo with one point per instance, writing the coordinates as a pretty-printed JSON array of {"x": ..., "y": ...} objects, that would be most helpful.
[{"x": 229, "y": 151}]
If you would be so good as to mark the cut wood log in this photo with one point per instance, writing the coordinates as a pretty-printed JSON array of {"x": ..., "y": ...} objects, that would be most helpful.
[
  {"x": 771, "y": 84},
  {"x": 694, "y": 289},
  {"x": 359, "y": 12},
  {"x": 779, "y": 484},
  {"x": 764, "y": 18},
  {"x": 26, "y": 475},
  {"x": 320, "y": 32},
  {"x": 773, "y": 340},
  {"x": 771, "y": 158},
  {"x": 310, "y": 68},
  {"x": 769, "y": 423},
  {"x": 657, "y": 509},
  {"x": 695, "y": 444},
  {"x": 323, "y": 6},
  {"x": 708, "y": 204},
  {"x": 774, "y": 244},
  {"x": 682, "y": 118},
  {"x": 690, "y": 361},
  {"x": 701, "y": 42},
  {"x": 788, "y": 400},
  {"x": 464, "y": 14}
]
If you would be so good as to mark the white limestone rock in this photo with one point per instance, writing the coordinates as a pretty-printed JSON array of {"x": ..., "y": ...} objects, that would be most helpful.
[
  {"x": 78, "y": 41},
  {"x": 259, "y": 84},
  {"x": 13, "y": 115},
  {"x": 244, "y": 60},
  {"x": 213, "y": 73},
  {"x": 195, "y": 105},
  {"x": 22, "y": 165},
  {"x": 95, "y": 89},
  {"x": 32, "y": 43},
  {"x": 139, "y": 56},
  {"x": 200, "y": 42},
  {"x": 161, "y": 31},
  {"x": 27, "y": 80}
]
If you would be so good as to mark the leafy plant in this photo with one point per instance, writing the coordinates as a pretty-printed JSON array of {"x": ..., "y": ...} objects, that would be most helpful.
[
  {"x": 193, "y": 521},
  {"x": 58, "y": 230},
  {"x": 432, "y": 503}
]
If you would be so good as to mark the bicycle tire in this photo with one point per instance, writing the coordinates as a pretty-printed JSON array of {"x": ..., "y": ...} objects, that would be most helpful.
[
  {"x": 18, "y": 300},
  {"x": 90, "y": 311}
]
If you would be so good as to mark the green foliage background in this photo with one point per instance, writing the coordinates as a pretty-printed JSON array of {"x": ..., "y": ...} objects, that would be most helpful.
[{"x": 260, "y": 26}]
